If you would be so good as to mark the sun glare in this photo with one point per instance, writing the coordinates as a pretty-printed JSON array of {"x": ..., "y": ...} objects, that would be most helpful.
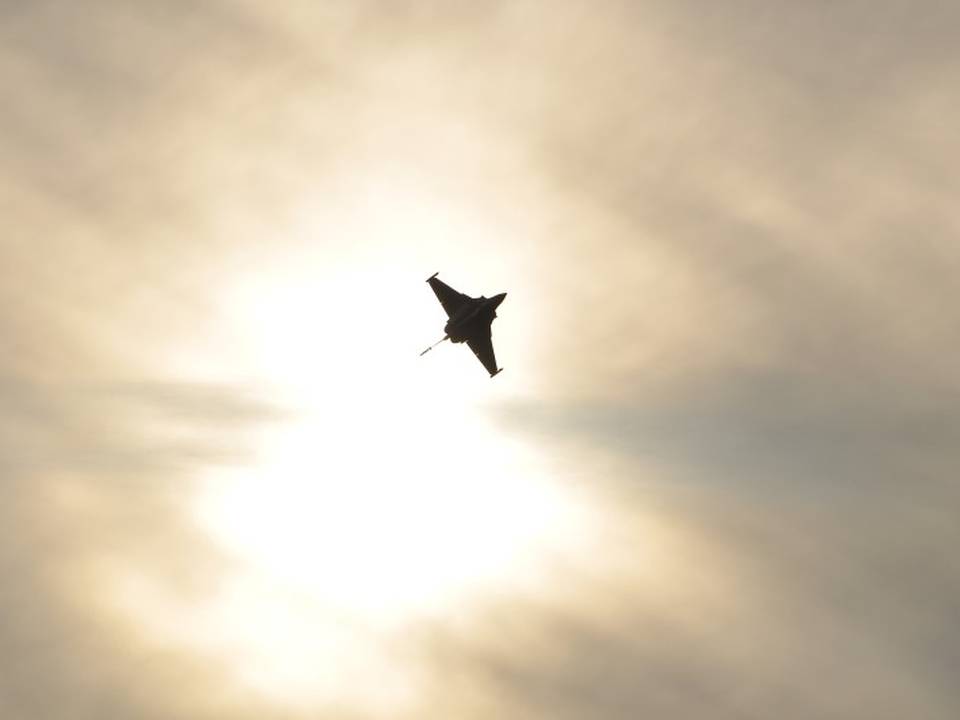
[
  {"x": 366, "y": 514},
  {"x": 384, "y": 499},
  {"x": 381, "y": 493}
]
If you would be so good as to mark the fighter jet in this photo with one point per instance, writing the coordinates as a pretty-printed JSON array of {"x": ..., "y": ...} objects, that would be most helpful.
[{"x": 469, "y": 321}]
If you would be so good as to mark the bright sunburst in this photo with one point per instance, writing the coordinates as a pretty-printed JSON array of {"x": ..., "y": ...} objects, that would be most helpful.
[
  {"x": 377, "y": 510},
  {"x": 385, "y": 499}
]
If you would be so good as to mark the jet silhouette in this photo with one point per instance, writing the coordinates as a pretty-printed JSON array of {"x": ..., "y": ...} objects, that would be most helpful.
[{"x": 469, "y": 321}]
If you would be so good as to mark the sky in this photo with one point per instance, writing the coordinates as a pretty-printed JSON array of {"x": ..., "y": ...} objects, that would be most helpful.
[{"x": 718, "y": 476}]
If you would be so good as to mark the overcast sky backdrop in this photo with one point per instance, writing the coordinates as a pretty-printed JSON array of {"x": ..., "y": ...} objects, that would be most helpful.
[{"x": 730, "y": 238}]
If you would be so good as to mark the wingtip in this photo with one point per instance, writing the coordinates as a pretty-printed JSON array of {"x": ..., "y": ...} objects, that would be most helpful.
[
  {"x": 494, "y": 374},
  {"x": 433, "y": 276}
]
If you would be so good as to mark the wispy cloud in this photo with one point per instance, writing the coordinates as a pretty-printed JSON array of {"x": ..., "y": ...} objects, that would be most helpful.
[{"x": 729, "y": 235}]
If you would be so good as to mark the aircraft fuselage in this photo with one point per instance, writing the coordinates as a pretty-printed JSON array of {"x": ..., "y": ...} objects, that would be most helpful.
[{"x": 479, "y": 312}]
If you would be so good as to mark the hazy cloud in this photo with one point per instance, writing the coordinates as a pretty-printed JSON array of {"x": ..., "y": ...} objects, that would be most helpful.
[{"x": 729, "y": 239}]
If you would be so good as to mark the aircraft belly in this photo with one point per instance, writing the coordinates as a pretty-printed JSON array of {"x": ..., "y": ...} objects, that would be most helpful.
[{"x": 459, "y": 332}]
